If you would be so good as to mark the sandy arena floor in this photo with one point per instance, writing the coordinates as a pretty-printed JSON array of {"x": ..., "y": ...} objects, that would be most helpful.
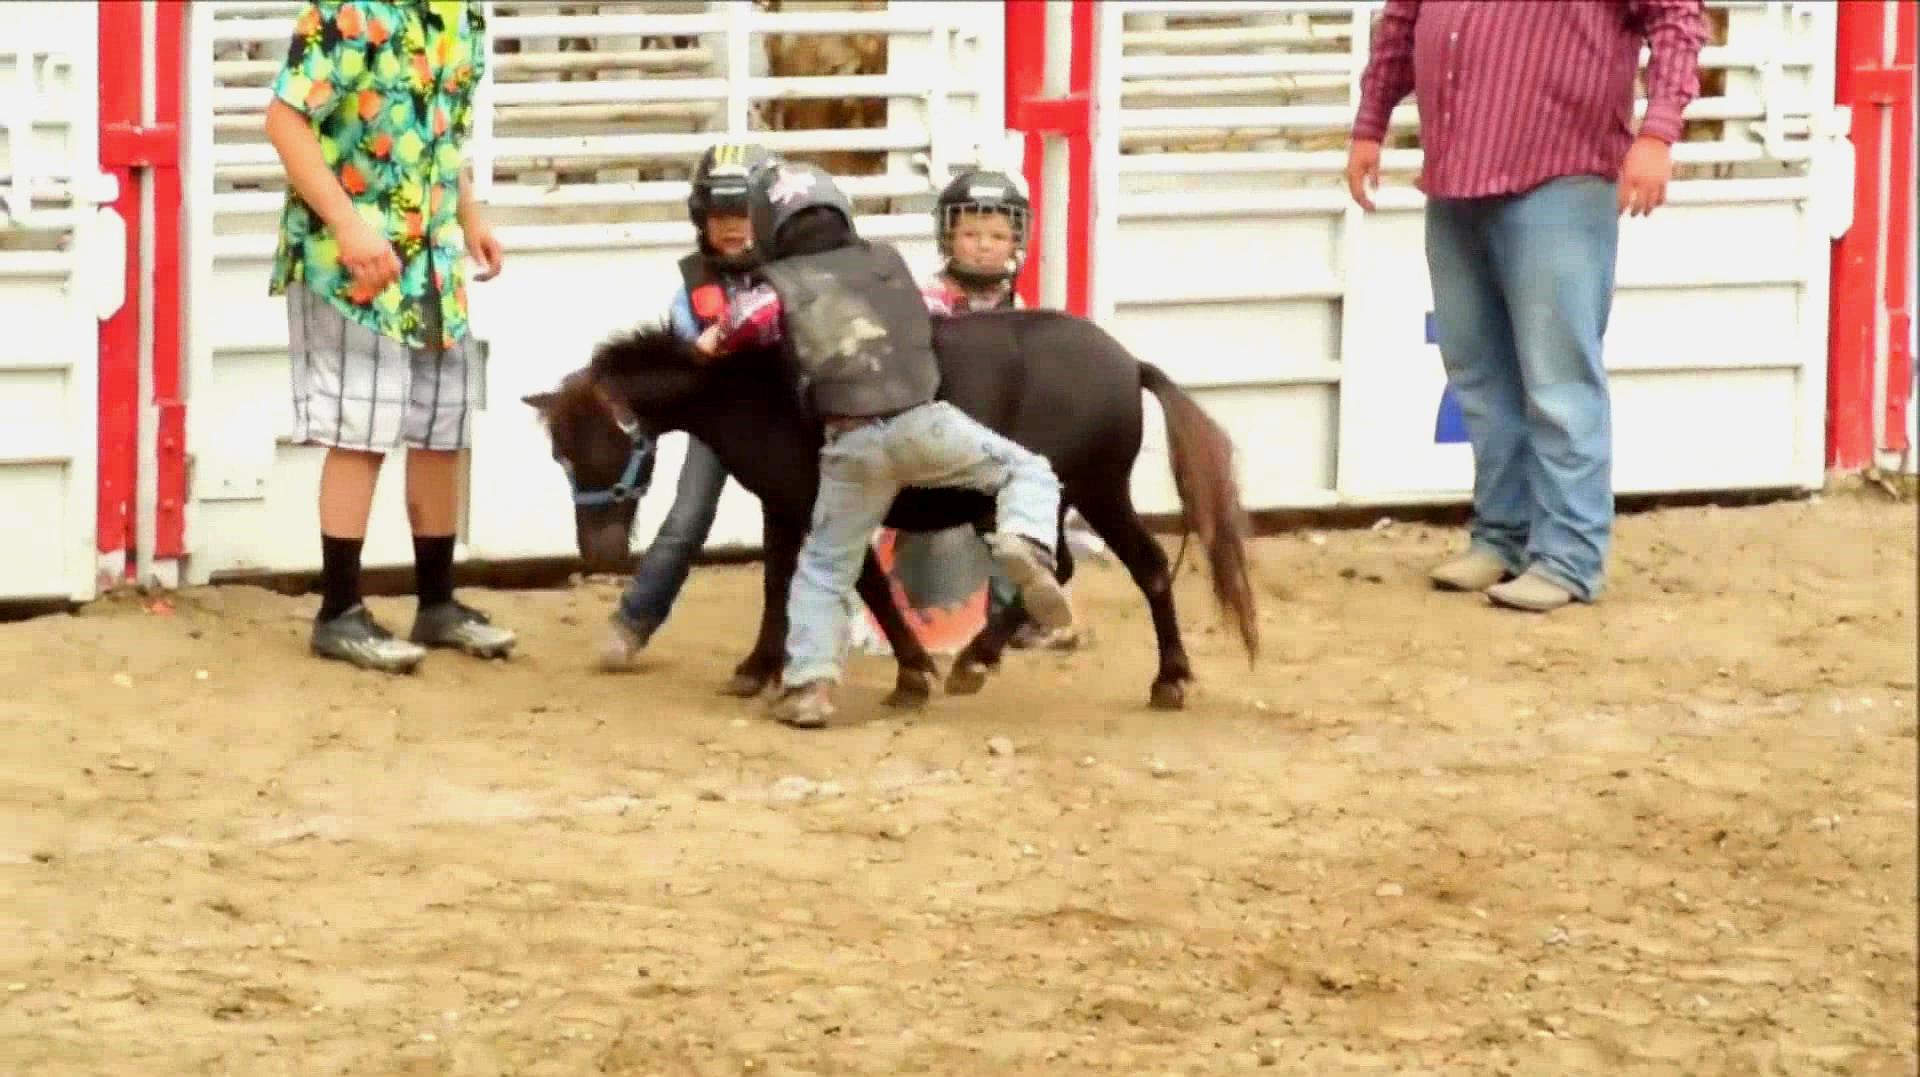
[{"x": 1672, "y": 833}]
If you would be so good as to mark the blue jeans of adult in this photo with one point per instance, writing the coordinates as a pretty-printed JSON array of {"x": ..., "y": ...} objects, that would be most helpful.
[
  {"x": 861, "y": 470},
  {"x": 1522, "y": 288},
  {"x": 662, "y": 571}
]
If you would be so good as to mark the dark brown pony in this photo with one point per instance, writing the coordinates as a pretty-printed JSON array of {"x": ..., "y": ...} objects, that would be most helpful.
[{"x": 1059, "y": 385}]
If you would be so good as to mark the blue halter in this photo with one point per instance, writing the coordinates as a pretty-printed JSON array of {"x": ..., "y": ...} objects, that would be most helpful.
[{"x": 633, "y": 481}]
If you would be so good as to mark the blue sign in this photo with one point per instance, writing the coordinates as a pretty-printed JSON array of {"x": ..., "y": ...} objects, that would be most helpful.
[{"x": 1449, "y": 425}]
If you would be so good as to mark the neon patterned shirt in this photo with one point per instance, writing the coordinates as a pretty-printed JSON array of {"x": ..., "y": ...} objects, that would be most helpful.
[{"x": 388, "y": 87}]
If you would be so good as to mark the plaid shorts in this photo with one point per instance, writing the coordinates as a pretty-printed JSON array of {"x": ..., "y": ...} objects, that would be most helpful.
[{"x": 356, "y": 389}]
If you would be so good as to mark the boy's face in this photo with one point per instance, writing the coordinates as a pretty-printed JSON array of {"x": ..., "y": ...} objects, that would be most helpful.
[
  {"x": 729, "y": 233},
  {"x": 982, "y": 242}
]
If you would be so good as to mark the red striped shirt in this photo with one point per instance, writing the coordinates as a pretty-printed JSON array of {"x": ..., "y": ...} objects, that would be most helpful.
[{"x": 1513, "y": 93}]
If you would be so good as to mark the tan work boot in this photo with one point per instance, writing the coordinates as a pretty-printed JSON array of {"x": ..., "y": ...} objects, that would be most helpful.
[
  {"x": 1475, "y": 570},
  {"x": 1532, "y": 591},
  {"x": 805, "y": 707},
  {"x": 1030, "y": 567}
]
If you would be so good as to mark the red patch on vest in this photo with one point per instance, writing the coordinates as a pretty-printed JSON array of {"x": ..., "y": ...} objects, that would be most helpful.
[{"x": 709, "y": 302}]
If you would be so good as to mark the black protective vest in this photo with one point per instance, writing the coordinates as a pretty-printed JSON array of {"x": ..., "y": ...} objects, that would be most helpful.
[{"x": 857, "y": 329}]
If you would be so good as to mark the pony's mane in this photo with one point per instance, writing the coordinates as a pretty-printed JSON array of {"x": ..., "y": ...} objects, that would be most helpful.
[{"x": 639, "y": 350}]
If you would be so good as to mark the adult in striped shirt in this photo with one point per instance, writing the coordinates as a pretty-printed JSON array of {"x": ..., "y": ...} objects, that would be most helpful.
[{"x": 1531, "y": 155}]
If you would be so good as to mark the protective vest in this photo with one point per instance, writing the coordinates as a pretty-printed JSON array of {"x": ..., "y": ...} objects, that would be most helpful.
[
  {"x": 857, "y": 329},
  {"x": 707, "y": 291}
]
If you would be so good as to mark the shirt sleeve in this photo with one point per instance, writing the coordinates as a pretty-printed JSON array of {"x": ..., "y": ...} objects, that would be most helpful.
[
  {"x": 680, "y": 316},
  {"x": 1675, "y": 30},
  {"x": 753, "y": 320},
  {"x": 318, "y": 72},
  {"x": 1388, "y": 77},
  {"x": 475, "y": 61}
]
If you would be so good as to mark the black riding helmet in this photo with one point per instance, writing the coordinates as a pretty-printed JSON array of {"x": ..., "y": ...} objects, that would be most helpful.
[
  {"x": 980, "y": 191},
  {"x": 781, "y": 191},
  {"x": 720, "y": 184}
]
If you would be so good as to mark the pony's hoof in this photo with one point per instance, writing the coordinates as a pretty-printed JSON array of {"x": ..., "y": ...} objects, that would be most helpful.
[
  {"x": 911, "y": 690},
  {"x": 1168, "y": 696},
  {"x": 745, "y": 685},
  {"x": 966, "y": 678}
]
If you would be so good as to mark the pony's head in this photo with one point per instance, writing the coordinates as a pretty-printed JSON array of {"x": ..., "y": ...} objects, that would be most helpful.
[
  {"x": 603, "y": 419},
  {"x": 607, "y": 455}
]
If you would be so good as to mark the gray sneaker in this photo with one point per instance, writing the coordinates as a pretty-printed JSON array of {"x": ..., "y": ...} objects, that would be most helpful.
[
  {"x": 355, "y": 637},
  {"x": 1031, "y": 569},
  {"x": 463, "y": 628}
]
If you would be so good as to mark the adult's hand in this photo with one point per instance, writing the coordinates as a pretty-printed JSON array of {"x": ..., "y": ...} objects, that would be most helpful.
[
  {"x": 1644, "y": 176},
  {"x": 1363, "y": 171}
]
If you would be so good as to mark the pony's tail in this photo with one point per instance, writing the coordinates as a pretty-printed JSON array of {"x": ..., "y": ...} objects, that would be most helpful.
[{"x": 1202, "y": 459}]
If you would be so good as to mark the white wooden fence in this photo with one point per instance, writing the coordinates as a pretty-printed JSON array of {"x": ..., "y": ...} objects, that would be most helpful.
[
  {"x": 1230, "y": 251},
  {"x": 590, "y": 126}
]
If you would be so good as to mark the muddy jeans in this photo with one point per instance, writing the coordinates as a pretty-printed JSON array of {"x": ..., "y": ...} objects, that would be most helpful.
[{"x": 861, "y": 471}]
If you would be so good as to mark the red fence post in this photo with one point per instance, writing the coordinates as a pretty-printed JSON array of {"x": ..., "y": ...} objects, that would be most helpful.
[
  {"x": 118, "y": 419},
  {"x": 169, "y": 210},
  {"x": 1026, "y": 61},
  {"x": 1896, "y": 91},
  {"x": 1080, "y": 159},
  {"x": 1869, "y": 273},
  {"x": 1070, "y": 117},
  {"x": 129, "y": 148}
]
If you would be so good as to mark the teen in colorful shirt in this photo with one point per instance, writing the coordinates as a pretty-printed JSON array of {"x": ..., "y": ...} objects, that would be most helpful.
[{"x": 370, "y": 116}]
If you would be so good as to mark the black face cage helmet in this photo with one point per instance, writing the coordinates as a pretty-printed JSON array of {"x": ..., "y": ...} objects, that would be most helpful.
[
  {"x": 720, "y": 183},
  {"x": 983, "y": 192}
]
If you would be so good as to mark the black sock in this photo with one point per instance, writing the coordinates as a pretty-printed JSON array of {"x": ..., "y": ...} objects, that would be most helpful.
[
  {"x": 339, "y": 575},
  {"x": 433, "y": 569}
]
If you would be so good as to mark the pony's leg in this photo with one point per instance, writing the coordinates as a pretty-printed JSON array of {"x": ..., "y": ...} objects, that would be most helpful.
[
  {"x": 982, "y": 653},
  {"x": 781, "y": 542},
  {"x": 1109, "y": 511},
  {"x": 913, "y": 681}
]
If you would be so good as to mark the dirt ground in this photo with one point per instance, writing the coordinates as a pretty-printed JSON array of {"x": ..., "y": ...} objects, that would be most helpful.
[{"x": 1670, "y": 833}]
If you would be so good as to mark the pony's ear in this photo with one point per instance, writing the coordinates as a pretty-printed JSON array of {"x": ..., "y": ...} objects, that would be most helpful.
[{"x": 540, "y": 402}]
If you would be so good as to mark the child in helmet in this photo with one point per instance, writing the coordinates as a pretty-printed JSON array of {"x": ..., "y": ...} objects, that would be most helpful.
[
  {"x": 848, "y": 313},
  {"x": 981, "y": 225},
  {"x": 721, "y": 268}
]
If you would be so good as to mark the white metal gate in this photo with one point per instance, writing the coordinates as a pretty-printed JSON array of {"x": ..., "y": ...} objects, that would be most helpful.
[
  {"x": 60, "y": 272},
  {"x": 588, "y": 128},
  {"x": 1230, "y": 252}
]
